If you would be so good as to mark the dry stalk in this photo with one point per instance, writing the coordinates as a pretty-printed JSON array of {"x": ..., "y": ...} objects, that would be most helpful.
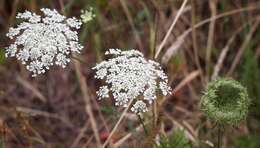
[
  {"x": 34, "y": 112},
  {"x": 30, "y": 87},
  {"x": 243, "y": 47},
  {"x": 224, "y": 52},
  {"x": 182, "y": 37},
  {"x": 117, "y": 124},
  {"x": 194, "y": 41},
  {"x": 171, "y": 28},
  {"x": 80, "y": 135},
  {"x": 212, "y": 5},
  {"x": 86, "y": 96},
  {"x": 131, "y": 22}
]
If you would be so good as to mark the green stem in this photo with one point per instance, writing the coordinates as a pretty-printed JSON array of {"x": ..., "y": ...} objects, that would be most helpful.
[{"x": 141, "y": 120}]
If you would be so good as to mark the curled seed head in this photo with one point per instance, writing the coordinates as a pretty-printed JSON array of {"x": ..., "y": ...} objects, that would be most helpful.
[{"x": 225, "y": 101}]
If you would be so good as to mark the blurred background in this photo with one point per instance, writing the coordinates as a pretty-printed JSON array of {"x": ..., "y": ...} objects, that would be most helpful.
[{"x": 211, "y": 38}]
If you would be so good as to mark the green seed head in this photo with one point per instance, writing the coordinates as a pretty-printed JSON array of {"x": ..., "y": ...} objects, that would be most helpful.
[{"x": 225, "y": 101}]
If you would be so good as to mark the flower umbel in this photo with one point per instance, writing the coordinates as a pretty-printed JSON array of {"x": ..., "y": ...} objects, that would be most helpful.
[
  {"x": 225, "y": 101},
  {"x": 41, "y": 42},
  {"x": 87, "y": 15},
  {"x": 128, "y": 75}
]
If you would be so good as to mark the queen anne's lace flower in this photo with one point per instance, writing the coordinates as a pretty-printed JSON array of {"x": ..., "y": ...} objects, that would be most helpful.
[
  {"x": 42, "y": 41},
  {"x": 130, "y": 76}
]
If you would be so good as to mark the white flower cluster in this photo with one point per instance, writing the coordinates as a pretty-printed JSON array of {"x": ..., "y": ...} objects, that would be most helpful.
[
  {"x": 128, "y": 75},
  {"x": 42, "y": 41},
  {"x": 87, "y": 15},
  {"x": 139, "y": 107}
]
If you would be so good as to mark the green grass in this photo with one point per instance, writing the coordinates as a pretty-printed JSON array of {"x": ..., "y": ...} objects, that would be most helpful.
[{"x": 176, "y": 140}]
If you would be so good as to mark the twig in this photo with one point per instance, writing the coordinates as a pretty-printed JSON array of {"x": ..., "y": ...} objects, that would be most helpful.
[{"x": 171, "y": 28}]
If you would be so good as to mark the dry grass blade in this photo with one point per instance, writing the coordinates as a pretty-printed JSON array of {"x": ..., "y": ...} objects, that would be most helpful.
[
  {"x": 34, "y": 112},
  {"x": 122, "y": 140},
  {"x": 171, "y": 28},
  {"x": 80, "y": 135},
  {"x": 224, "y": 52},
  {"x": 173, "y": 50},
  {"x": 28, "y": 86},
  {"x": 195, "y": 42},
  {"x": 222, "y": 57},
  {"x": 117, "y": 124},
  {"x": 86, "y": 96},
  {"x": 187, "y": 80},
  {"x": 242, "y": 48},
  {"x": 182, "y": 37},
  {"x": 130, "y": 20},
  {"x": 212, "y": 4},
  {"x": 178, "y": 125},
  {"x": 14, "y": 6}
]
